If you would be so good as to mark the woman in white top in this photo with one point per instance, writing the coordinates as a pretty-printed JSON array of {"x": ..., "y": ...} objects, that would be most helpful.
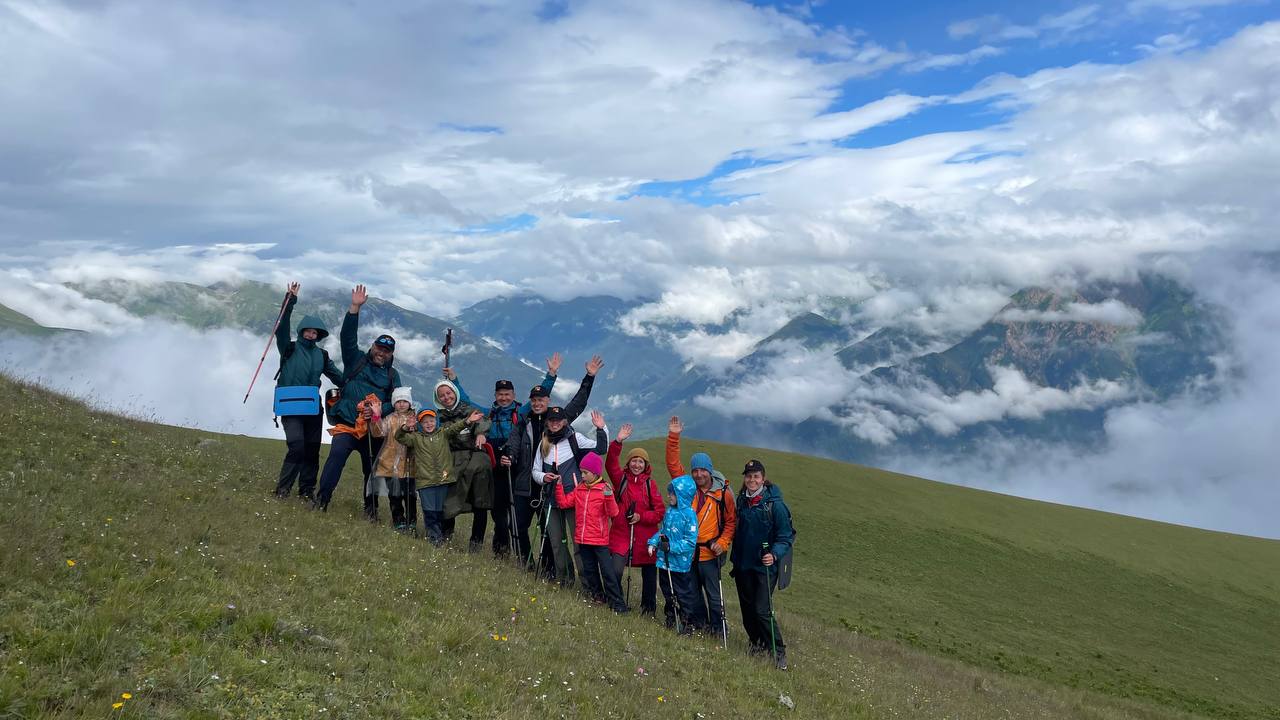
[{"x": 556, "y": 460}]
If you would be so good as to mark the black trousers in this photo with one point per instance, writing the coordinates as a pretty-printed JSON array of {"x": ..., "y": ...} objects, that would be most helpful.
[
  {"x": 302, "y": 458},
  {"x": 754, "y": 597},
  {"x": 343, "y": 445},
  {"x": 598, "y": 577},
  {"x": 501, "y": 511},
  {"x": 706, "y": 575},
  {"x": 524, "y": 519},
  {"x": 404, "y": 507},
  {"x": 648, "y": 581},
  {"x": 681, "y": 589}
]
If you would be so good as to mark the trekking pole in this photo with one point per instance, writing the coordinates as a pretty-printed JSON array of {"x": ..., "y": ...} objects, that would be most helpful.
[
  {"x": 724, "y": 621},
  {"x": 448, "y": 343},
  {"x": 266, "y": 349},
  {"x": 631, "y": 544},
  {"x": 773, "y": 643},
  {"x": 630, "y": 548},
  {"x": 512, "y": 530},
  {"x": 666, "y": 558}
]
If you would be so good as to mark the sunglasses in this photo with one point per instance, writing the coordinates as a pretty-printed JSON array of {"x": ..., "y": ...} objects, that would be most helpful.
[{"x": 386, "y": 342}]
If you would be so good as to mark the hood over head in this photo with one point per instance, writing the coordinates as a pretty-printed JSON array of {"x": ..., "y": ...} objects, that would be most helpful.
[
  {"x": 435, "y": 396},
  {"x": 684, "y": 488},
  {"x": 314, "y": 323}
]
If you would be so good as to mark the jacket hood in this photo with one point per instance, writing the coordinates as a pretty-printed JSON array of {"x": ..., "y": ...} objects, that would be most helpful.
[
  {"x": 769, "y": 493},
  {"x": 314, "y": 323},
  {"x": 435, "y": 396},
  {"x": 684, "y": 488},
  {"x": 717, "y": 481}
]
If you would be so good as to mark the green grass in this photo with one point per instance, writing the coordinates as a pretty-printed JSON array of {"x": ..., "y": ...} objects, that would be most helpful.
[
  {"x": 203, "y": 598},
  {"x": 15, "y": 321}
]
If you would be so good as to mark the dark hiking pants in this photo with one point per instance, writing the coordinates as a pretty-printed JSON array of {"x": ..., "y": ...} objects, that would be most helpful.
[
  {"x": 753, "y": 596},
  {"x": 302, "y": 458},
  {"x": 648, "y": 582},
  {"x": 343, "y": 445},
  {"x": 707, "y": 578},
  {"x": 598, "y": 577},
  {"x": 681, "y": 588}
]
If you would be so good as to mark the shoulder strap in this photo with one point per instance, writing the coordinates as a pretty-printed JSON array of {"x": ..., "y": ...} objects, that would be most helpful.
[
  {"x": 572, "y": 437},
  {"x": 288, "y": 353}
]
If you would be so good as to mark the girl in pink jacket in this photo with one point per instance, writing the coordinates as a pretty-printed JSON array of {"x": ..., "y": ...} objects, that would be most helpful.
[{"x": 594, "y": 509}]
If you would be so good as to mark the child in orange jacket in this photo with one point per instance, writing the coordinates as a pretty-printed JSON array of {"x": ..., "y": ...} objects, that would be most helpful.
[{"x": 594, "y": 508}]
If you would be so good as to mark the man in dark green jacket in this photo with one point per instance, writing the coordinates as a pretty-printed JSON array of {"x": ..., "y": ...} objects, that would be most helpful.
[
  {"x": 764, "y": 536},
  {"x": 302, "y": 362},
  {"x": 364, "y": 373}
]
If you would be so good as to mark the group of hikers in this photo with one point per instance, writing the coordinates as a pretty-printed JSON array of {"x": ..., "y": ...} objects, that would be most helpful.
[{"x": 599, "y": 509}]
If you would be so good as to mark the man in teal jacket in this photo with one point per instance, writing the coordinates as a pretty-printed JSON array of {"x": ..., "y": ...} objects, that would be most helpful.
[
  {"x": 302, "y": 362},
  {"x": 364, "y": 373}
]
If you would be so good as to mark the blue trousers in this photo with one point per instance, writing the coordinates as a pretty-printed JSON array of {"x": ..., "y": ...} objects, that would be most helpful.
[{"x": 343, "y": 445}]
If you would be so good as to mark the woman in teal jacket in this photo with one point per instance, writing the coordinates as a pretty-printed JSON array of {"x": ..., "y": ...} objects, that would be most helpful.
[
  {"x": 763, "y": 538},
  {"x": 674, "y": 545},
  {"x": 302, "y": 362}
]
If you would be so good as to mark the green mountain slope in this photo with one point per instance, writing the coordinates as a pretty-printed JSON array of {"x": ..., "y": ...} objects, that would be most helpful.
[
  {"x": 148, "y": 560},
  {"x": 254, "y": 306},
  {"x": 14, "y": 321}
]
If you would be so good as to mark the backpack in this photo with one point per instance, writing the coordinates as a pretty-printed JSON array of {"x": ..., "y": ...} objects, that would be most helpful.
[{"x": 720, "y": 520}]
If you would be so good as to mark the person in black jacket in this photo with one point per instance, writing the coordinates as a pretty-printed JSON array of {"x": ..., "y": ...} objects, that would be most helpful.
[
  {"x": 302, "y": 362},
  {"x": 522, "y": 445},
  {"x": 364, "y": 373}
]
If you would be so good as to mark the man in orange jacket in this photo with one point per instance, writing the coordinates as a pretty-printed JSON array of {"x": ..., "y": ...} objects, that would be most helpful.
[{"x": 717, "y": 513}]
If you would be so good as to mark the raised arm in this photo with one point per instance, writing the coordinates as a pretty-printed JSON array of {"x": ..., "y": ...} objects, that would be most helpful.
[
  {"x": 579, "y": 401},
  {"x": 350, "y": 324},
  {"x": 548, "y": 382},
  {"x": 282, "y": 328},
  {"x": 611, "y": 464},
  {"x": 331, "y": 371},
  {"x": 674, "y": 466}
]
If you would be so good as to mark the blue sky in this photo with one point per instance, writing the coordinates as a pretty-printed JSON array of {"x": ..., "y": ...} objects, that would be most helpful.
[{"x": 1021, "y": 38}]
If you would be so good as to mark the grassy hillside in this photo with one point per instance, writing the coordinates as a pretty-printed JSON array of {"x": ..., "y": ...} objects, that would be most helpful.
[
  {"x": 15, "y": 321},
  {"x": 148, "y": 560}
]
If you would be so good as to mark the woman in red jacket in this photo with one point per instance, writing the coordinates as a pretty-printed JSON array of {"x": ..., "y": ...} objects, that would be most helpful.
[
  {"x": 594, "y": 509},
  {"x": 642, "y": 508}
]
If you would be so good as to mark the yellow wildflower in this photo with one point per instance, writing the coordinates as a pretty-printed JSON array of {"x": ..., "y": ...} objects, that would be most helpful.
[
  {"x": 71, "y": 563},
  {"x": 127, "y": 696},
  {"x": 117, "y": 706}
]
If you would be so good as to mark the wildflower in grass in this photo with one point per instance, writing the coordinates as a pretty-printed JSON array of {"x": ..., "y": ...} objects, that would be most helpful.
[
  {"x": 127, "y": 696},
  {"x": 117, "y": 705},
  {"x": 71, "y": 563},
  {"x": 662, "y": 698}
]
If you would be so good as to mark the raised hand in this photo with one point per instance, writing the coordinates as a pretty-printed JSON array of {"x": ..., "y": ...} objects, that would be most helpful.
[
  {"x": 594, "y": 365},
  {"x": 294, "y": 288},
  {"x": 675, "y": 427},
  {"x": 408, "y": 425},
  {"x": 597, "y": 419},
  {"x": 553, "y": 364},
  {"x": 475, "y": 417},
  {"x": 450, "y": 374},
  {"x": 359, "y": 296},
  {"x": 624, "y": 432}
]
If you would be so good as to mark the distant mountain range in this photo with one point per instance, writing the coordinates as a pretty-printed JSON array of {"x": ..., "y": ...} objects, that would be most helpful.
[{"x": 1087, "y": 349}]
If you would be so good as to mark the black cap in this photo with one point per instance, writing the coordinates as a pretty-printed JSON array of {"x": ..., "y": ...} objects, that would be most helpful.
[
  {"x": 503, "y": 385},
  {"x": 753, "y": 466},
  {"x": 538, "y": 391},
  {"x": 386, "y": 341},
  {"x": 556, "y": 413}
]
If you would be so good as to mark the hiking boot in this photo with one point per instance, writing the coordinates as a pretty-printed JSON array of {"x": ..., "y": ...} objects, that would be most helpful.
[
  {"x": 474, "y": 547},
  {"x": 781, "y": 661}
]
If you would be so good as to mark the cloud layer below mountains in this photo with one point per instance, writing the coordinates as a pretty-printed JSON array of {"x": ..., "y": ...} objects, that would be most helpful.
[{"x": 380, "y": 144}]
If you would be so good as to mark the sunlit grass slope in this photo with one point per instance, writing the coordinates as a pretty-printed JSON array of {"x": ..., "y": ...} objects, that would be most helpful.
[{"x": 148, "y": 560}]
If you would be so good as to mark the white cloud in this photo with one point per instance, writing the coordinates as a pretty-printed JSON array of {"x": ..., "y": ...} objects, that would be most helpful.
[
  {"x": 1108, "y": 312},
  {"x": 969, "y": 57}
]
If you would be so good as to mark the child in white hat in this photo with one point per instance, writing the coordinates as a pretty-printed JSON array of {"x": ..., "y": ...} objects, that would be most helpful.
[{"x": 392, "y": 475}]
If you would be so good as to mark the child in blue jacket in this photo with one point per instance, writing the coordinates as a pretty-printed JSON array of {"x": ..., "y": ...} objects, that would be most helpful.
[{"x": 674, "y": 545}]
